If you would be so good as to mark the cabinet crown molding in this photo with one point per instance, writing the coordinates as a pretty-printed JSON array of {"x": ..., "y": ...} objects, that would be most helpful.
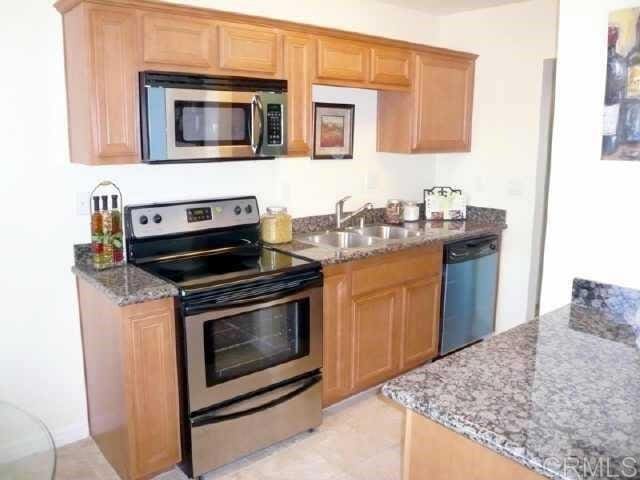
[{"x": 64, "y": 6}]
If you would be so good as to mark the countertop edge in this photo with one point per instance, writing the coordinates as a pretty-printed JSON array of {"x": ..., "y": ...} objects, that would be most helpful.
[
  {"x": 468, "y": 431},
  {"x": 145, "y": 294}
]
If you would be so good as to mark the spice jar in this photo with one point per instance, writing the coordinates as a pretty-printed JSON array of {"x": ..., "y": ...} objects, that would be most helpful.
[
  {"x": 276, "y": 226},
  {"x": 410, "y": 211},
  {"x": 392, "y": 213}
]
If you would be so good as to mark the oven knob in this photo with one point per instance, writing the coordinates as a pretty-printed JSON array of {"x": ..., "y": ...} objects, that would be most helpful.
[
  {"x": 248, "y": 209},
  {"x": 157, "y": 218},
  {"x": 144, "y": 220},
  {"x": 237, "y": 210}
]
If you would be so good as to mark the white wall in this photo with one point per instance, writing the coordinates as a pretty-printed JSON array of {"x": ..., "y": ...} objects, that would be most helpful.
[
  {"x": 587, "y": 237},
  {"x": 513, "y": 41},
  {"x": 40, "y": 348}
]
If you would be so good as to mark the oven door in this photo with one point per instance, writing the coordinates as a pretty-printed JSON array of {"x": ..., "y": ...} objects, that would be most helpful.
[{"x": 238, "y": 350}]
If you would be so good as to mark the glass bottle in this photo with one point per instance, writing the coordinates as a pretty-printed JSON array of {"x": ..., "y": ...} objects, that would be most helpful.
[
  {"x": 614, "y": 94},
  {"x": 96, "y": 234},
  {"x": 631, "y": 105},
  {"x": 116, "y": 226},
  {"x": 107, "y": 234}
]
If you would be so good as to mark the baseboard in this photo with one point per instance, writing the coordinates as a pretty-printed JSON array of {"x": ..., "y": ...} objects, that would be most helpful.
[
  {"x": 25, "y": 446},
  {"x": 70, "y": 434}
]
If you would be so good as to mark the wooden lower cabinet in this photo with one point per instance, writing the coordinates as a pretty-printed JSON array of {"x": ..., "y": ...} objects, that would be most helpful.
[
  {"x": 337, "y": 328},
  {"x": 433, "y": 452},
  {"x": 421, "y": 321},
  {"x": 381, "y": 318},
  {"x": 376, "y": 333},
  {"x": 132, "y": 385}
]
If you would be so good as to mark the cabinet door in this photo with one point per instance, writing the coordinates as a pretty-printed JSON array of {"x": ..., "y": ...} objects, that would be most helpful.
[
  {"x": 299, "y": 66},
  {"x": 376, "y": 335},
  {"x": 176, "y": 40},
  {"x": 115, "y": 96},
  {"x": 342, "y": 60},
  {"x": 336, "y": 368},
  {"x": 443, "y": 103},
  {"x": 249, "y": 49},
  {"x": 390, "y": 66},
  {"x": 152, "y": 389},
  {"x": 420, "y": 321}
]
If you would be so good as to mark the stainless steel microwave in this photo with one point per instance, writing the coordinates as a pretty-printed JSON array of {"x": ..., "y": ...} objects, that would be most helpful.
[{"x": 197, "y": 118}]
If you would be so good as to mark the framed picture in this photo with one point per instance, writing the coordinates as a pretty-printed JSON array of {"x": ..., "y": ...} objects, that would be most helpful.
[
  {"x": 333, "y": 130},
  {"x": 621, "y": 119}
]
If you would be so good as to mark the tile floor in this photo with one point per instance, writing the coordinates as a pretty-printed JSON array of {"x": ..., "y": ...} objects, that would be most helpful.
[{"x": 359, "y": 439}]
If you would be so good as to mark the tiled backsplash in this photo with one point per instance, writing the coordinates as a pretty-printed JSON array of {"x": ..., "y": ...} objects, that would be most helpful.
[{"x": 486, "y": 215}]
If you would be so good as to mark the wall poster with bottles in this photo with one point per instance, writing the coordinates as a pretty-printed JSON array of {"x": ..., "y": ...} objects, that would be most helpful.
[{"x": 621, "y": 119}]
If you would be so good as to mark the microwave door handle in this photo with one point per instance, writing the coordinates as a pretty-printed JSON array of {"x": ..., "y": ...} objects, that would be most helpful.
[{"x": 257, "y": 134}]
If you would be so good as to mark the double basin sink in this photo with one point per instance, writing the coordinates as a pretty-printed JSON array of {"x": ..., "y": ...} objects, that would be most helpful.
[{"x": 361, "y": 237}]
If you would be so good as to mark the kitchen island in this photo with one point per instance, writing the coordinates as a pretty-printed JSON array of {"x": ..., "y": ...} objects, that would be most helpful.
[{"x": 556, "y": 397}]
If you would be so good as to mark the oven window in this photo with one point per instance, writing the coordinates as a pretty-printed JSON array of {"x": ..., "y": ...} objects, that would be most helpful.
[
  {"x": 253, "y": 341},
  {"x": 212, "y": 123}
]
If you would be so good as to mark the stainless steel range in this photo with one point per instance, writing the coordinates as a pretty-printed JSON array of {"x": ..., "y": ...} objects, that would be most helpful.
[{"x": 249, "y": 326}]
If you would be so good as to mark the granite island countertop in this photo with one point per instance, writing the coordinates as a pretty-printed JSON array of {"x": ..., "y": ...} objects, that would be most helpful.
[{"x": 550, "y": 394}]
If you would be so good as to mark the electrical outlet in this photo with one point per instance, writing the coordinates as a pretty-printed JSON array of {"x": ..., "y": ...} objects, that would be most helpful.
[{"x": 83, "y": 206}]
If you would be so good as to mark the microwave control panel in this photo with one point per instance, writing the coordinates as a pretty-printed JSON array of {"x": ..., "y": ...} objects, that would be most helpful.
[{"x": 274, "y": 124}]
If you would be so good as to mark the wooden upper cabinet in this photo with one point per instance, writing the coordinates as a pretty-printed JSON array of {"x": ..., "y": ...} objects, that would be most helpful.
[
  {"x": 250, "y": 49},
  {"x": 102, "y": 85},
  {"x": 390, "y": 66},
  {"x": 444, "y": 103},
  {"x": 421, "y": 321},
  {"x": 342, "y": 60},
  {"x": 299, "y": 55},
  {"x": 177, "y": 40},
  {"x": 425, "y": 94},
  {"x": 435, "y": 116}
]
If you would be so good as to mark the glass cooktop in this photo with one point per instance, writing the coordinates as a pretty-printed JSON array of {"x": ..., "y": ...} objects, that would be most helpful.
[{"x": 216, "y": 268}]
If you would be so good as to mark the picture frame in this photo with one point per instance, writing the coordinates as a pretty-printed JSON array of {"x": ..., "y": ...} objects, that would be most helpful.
[{"x": 333, "y": 126}]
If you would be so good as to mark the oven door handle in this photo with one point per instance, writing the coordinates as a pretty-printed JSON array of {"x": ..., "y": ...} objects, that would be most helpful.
[
  {"x": 205, "y": 305},
  {"x": 257, "y": 112},
  {"x": 231, "y": 412}
]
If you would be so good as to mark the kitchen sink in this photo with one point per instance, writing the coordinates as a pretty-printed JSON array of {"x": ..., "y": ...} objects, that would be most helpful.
[
  {"x": 387, "y": 232},
  {"x": 342, "y": 240}
]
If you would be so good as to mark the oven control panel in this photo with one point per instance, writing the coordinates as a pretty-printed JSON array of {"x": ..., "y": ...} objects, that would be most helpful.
[{"x": 183, "y": 217}]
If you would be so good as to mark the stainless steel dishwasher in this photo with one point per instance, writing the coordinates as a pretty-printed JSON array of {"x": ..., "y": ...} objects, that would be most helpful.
[{"x": 469, "y": 288}]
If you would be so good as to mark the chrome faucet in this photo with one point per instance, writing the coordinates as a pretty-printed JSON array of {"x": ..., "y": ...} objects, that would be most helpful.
[{"x": 340, "y": 219}]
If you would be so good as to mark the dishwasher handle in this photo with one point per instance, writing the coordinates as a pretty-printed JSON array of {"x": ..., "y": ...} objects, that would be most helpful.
[{"x": 473, "y": 249}]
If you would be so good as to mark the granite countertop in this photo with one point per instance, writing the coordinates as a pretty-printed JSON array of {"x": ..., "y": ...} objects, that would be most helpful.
[
  {"x": 434, "y": 232},
  {"x": 128, "y": 284},
  {"x": 124, "y": 285},
  {"x": 551, "y": 394}
]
